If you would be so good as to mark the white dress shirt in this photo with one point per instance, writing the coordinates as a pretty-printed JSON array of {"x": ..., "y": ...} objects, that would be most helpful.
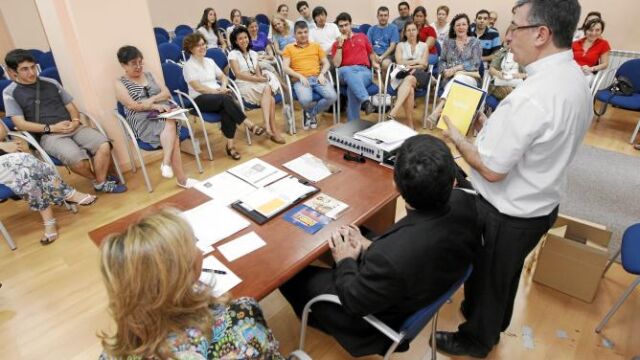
[
  {"x": 533, "y": 136},
  {"x": 325, "y": 36},
  {"x": 206, "y": 73}
]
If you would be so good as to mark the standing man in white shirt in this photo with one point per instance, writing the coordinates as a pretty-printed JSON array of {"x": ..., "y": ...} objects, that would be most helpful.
[
  {"x": 519, "y": 164},
  {"x": 305, "y": 14}
]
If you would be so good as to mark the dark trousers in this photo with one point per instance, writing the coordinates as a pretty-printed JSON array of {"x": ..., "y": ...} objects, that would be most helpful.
[
  {"x": 491, "y": 290},
  {"x": 229, "y": 110}
]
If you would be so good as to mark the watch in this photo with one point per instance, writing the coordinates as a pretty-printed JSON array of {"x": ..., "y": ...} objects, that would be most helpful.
[{"x": 47, "y": 129}]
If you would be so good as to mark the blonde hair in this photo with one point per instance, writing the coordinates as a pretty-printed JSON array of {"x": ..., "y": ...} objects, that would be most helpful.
[
  {"x": 284, "y": 21},
  {"x": 150, "y": 275}
]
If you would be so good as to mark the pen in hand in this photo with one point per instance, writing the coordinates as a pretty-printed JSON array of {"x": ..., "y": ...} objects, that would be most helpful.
[{"x": 220, "y": 272}]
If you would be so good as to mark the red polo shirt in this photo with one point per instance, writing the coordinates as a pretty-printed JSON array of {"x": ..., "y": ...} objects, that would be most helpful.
[
  {"x": 591, "y": 56},
  {"x": 426, "y": 32},
  {"x": 355, "y": 50}
]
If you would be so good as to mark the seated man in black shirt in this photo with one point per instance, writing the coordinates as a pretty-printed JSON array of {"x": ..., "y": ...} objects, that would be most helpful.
[
  {"x": 56, "y": 121},
  {"x": 392, "y": 276}
]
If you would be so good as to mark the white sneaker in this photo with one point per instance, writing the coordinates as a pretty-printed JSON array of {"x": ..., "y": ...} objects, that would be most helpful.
[
  {"x": 166, "y": 171},
  {"x": 188, "y": 184},
  {"x": 314, "y": 122}
]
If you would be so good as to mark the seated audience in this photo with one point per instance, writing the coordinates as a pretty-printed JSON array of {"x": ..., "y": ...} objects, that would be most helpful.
[
  {"x": 580, "y": 32},
  {"x": 254, "y": 85},
  {"x": 202, "y": 75},
  {"x": 208, "y": 27},
  {"x": 405, "y": 269},
  {"x": 283, "y": 11},
  {"x": 493, "y": 19},
  {"x": 260, "y": 44},
  {"x": 38, "y": 183},
  {"x": 411, "y": 54},
  {"x": 236, "y": 20},
  {"x": 426, "y": 33},
  {"x": 460, "y": 59},
  {"x": 506, "y": 72},
  {"x": 404, "y": 12},
  {"x": 143, "y": 99},
  {"x": 282, "y": 34},
  {"x": 55, "y": 120},
  {"x": 592, "y": 51},
  {"x": 307, "y": 65},
  {"x": 160, "y": 307},
  {"x": 383, "y": 38},
  {"x": 441, "y": 25},
  {"x": 489, "y": 38},
  {"x": 324, "y": 33},
  {"x": 353, "y": 55},
  {"x": 305, "y": 14}
]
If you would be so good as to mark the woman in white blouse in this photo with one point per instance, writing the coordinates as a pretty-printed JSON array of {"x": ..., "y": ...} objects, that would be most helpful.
[
  {"x": 211, "y": 95},
  {"x": 441, "y": 25},
  {"x": 208, "y": 27},
  {"x": 253, "y": 83}
]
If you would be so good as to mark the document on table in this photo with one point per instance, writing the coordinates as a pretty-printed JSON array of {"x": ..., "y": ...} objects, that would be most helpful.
[
  {"x": 264, "y": 201},
  {"x": 241, "y": 246},
  {"x": 257, "y": 172},
  {"x": 291, "y": 189},
  {"x": 212, "y": 222},
  {"x": 311, "y": 167},
  {"x": 387, "y": 132},
  {"x": 221, "y": 283},
  {"x": 224, "y": 188}
]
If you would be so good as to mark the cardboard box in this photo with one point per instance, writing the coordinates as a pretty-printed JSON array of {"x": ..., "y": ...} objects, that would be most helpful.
[{"x": 573, "y": 257}]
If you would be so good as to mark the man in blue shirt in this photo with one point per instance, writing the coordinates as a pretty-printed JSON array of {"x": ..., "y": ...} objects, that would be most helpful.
[
  {"x": 383, "y": 38},
  {"x": 489, "y": 38}
]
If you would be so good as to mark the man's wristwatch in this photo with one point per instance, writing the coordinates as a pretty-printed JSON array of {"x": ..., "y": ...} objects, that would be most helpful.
[{"x": 47, "y": 129}]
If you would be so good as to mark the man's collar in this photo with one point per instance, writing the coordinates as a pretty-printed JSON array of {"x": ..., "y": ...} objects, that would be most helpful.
[
  {"x": 302, "y": 46},
  {"x": 549, "y": 61}
]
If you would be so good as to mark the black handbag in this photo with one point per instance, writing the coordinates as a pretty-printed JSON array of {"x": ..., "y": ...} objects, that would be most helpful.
[{"x": 621, "y": 86}]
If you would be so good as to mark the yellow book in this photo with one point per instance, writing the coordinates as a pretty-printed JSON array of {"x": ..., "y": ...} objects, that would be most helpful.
[{"x": 461, "y": 106}]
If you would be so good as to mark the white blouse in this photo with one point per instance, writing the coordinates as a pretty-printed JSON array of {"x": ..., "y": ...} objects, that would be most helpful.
[
  {"x": 210, "y": 36},
  {"x": 206, "y": 73},
  {"x": 248, "y": 63},
  {"x": 415, "y": 55}
]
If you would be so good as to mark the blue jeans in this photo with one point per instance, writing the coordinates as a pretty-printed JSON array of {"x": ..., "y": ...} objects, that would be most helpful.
[
  {"x": 305, "y": 95},
  {"x": 357, "y": 78},
  {"x": 433, "y": 59}
]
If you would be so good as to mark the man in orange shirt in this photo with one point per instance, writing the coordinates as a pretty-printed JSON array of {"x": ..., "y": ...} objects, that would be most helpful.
[{"x": 307, "y": 65}]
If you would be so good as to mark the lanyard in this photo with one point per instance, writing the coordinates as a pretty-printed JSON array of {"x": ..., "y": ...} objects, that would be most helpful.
[{"x": 252, "y": 68}]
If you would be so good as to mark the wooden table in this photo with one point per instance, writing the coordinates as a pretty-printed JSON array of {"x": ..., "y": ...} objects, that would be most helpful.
[{"x": 367, "y": 188}]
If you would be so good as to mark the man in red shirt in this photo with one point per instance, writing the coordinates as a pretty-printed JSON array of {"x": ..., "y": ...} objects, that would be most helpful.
[{"x": 353, "y": 56}]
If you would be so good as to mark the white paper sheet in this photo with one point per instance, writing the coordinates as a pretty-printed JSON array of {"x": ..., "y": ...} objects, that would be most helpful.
[
  {"x": 264, "y": 201},
  {"x": 257, "y": 172},
  {"x": 221, "y": 283},
  {"x": 290, "y": 188},
  {"x": 241, "y": 246},
  {"x": 310, "y": 167},
  {"x": 213, "y": 222},
  {"x": 224, "y": 188},
  {"x": 388, "y": 132}
]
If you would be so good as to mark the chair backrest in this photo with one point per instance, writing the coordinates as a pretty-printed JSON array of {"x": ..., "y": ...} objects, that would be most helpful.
[
  {"x": 364, "y": 28},
  {"x": 161, "y": 39},
  {"x": 438, "y": 48},
  {"x": 8, "y": 123},
  {"x": 416, "y": 322},
  {"x": 120, "y": 109},
  {"x": 263, "y": 28},
  {"x": 245, "y": 20},
  {"x": 36, "y": 53},
  {"x": 263, "y": 19},
  {"x": 631, "y": 249},
  {"x": 183, "y": 30},
  {"x": 218, "y": 55},
  {"x": 173, "y": 78},
  {"x": 51, "y": 73},
  {"x": 169, "y": 51},
  {"x": 223, "y": 24},
  {"x": 178, "y": 40},
  {"x": 161, "y": 31},
  {"x": 3, "y": 84},
  {"x": 631, "y": 70},
  {"x": 2, "y": 72},
  {"x": 46, "y": 60}
]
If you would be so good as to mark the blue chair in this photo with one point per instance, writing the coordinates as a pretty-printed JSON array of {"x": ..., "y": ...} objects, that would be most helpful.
[
  {"x": 178, "y": 40},
  {"x": 220, "y": 58},
  {"x": 6, "y": 194},
  {"x": 631, "y": 70},
  {"x": 51, "y": 73},
  {"x": 316, "y": 97},
  {"x": 161, "y": 39},
  {"x": 630, "y": 250},
  {"x": 411, "y": 327},
  {"x": 245, "y": 20},
  {"x": 3, "y": 84},
  {"x": 2, "y": 72},
  {"x": 46, "y": 60},
  {"x": 183, "y": 30},
  {"x": 223, "y": 24},
  {"x": 263, "y": 19},
  {"x": 372, "y": 89},
  {"x": 263, "y": 28},
  {"x": 36, "y": 53},
  {"x": 364, "y": 28},
  {"x": 169, "y": 52},
  {"x": 161, "y": 31},
  {"x": 418, "y": 93}
]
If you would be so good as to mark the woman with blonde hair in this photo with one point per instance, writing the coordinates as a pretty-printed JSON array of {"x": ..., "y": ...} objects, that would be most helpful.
[{"x": 161, "y": 310}]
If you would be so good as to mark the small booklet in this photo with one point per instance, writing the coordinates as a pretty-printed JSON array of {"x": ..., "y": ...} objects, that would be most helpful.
[
  {"x": 311, "y": 167},
  {"x": 257, "y": 172},
  {"x": 327, "y": 205},
  {"x": 307, "y": 219},
  {"x": 461, "y": 106}
]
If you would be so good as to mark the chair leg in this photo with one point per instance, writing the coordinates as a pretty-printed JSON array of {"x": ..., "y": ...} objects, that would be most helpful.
[
  {"x": 7, "y": 237},
  {"x": 635, "y": 133},
  {"x": 611, "y": 261},
  {"x": 147, "y": 180},
  {"x": 434, "y": 328},
  {"x": 248, "y": 134},
  {"x": 618, "y": 304}
]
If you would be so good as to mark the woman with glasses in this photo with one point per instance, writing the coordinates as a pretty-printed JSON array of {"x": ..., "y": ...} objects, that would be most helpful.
[{"x": 143, "y": 100}]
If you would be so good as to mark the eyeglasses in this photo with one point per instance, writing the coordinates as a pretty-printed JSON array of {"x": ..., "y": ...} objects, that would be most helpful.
[
  {"x": 139, "y": 64},
  {"x": 513, "y": 27}
]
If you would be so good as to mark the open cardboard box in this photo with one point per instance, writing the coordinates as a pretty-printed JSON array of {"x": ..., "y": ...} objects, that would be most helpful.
[{"x": 573, "y": 257}]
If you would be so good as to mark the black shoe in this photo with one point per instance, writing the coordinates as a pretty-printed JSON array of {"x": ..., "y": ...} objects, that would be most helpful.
[
  {"x": 453, "y": 344},
  {"x": 368, "y": 107}
]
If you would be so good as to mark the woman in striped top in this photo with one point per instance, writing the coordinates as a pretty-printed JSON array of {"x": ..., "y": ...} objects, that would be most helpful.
[{"x": 142, "y": 97}]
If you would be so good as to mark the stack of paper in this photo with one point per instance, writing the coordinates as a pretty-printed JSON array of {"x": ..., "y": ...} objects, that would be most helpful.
[
  {"x": 257, "y": 172},
  {"x": 241, "y": 246},
  {"x": 310, "y": 167},
  {"x": 272, "y": 199},
  {"x": 224, "y": 188},
  {"x": 222, "y": 282},
  {"x": 213, "y": 222},
  {"x": 388, "y": 135}
]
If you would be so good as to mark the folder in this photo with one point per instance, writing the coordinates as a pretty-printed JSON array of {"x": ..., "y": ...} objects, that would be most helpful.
[{"x": 462, "y": 104}]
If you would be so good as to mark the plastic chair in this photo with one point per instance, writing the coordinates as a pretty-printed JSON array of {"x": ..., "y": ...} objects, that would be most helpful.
[
  {"x": 418, "y": 93},
  {"x": 316, "y": 97},
  {"x": 630, "y": 250},
  {"x": 36, "y": 53},
  {"x": 372, "y": 89},
  {"x": 178, "y": 40},
  {"x": 183, "y": 30},
  {"x": 220, "y": 58},
  {"x": 411, "y": 327},
  {"x": 2, "y": 72},
  {"x": 161, "y": 31},
  {"x": 631, "y": 70},
  {"x": 161, "y": 39},
  {"x": 263, "y": 28},
  {"x": 3, "y": 84},
  {"x": 169, "y": 52},
  {"x": 263, "y": 19},
  {"x": 51, "y": 73},
  {"x": 6, "y": 194},
  {"x": 223, "y": 24},
  {"x": 364, "y": 28},
  {"x": 46, "y": 60}
]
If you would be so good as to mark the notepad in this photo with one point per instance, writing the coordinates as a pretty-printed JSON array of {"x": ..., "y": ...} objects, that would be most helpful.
[
  {"x": 461, "y": 106},
  {"x": 212, "y": 222},
  {"x": 311, "y": 167},
  {"x": 257, "y": 172},
  {"x": 241, "y": 246},
  {"x": 221, "y": 283}
]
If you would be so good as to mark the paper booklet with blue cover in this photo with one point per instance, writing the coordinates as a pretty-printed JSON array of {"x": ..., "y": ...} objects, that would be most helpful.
[
  {"x": 461, "y": 106},
  {"x": 306, "y": 218}
]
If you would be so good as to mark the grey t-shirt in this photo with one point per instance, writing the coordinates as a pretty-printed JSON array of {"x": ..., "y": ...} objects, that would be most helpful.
[
  {"x": 399, "y": 23},
  {"x": 20, "y": 99}
]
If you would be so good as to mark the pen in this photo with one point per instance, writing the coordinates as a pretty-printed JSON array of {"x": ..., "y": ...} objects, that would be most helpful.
[{"x": 221, "y": 272}]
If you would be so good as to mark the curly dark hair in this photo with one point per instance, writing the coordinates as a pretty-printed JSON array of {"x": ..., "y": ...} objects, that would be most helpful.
[
  {"x": 452, "y": 30},
  {"x": 234, "y": 37}
]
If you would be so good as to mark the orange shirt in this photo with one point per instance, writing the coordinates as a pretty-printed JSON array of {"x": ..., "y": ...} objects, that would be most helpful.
[{"x": 305, "y": 60}]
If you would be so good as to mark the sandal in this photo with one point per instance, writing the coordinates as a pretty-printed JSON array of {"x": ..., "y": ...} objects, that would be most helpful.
[
  {"x": 87, "y": 200},
  {"x": 257, "y": 130},
  {"x": 232, "y": 153},
  {"x": 278, "y": 139},
  {"x": 49, "y": 238}
]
